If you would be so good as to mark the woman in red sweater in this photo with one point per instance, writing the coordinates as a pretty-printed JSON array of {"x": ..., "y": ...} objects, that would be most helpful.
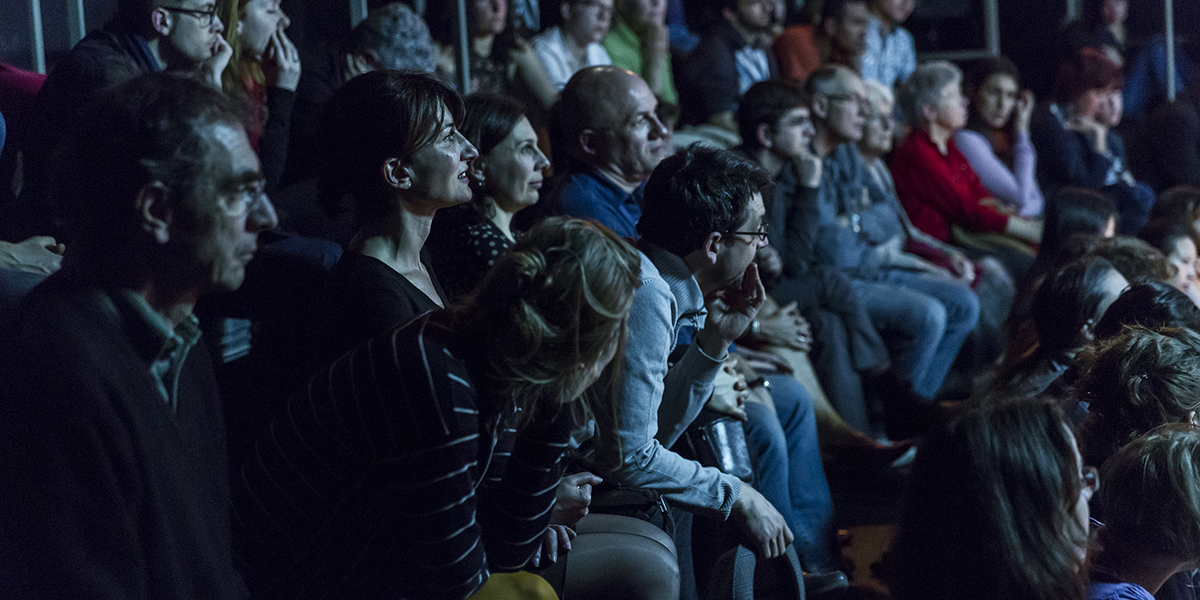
[{"x": 941, "y": 193}]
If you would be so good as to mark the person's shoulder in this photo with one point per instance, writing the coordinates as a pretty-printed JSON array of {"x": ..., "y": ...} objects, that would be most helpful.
[{"x": 1117, "y": 591}]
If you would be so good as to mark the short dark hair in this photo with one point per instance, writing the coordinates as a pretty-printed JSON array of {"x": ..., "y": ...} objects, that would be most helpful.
[
  {"x": 766, "y": 102},
  {"x": 695, "y": 192},
  {"x": 1135, "y": 382},
  {"x": 1075, "y": 211},
  {"x": 836, "y": 9},
  {"x": 373, "y": 117},
  {"x": 1179, "y": 203},
  {"x": 1066, "y": 301},
  {"x": 1164, "y": 234},
  {"x": 1087, "y": 69},
  {"x": 1151, "y": 498},
  {"x": 152, "y": 128},
  {"x": 1151, "y": 304},
  {"x": 1133, "y": 258}
]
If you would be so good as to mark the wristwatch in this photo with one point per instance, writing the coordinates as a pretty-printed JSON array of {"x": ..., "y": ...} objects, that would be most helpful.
[{"x": 755, "y": 327}]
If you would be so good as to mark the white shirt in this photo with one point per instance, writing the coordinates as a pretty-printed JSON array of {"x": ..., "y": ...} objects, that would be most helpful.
[{"x": 560, "y": 63}]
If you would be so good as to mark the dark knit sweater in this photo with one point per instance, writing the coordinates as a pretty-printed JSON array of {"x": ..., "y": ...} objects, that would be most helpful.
[{"x": 106, "y": 491}]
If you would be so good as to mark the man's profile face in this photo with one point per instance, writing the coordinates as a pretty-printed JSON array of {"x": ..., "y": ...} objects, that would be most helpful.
[
  {"x": 218, "y": 233},
  {"x": 847, "y": 105},
  {"x": 191, "y": 34},
  {"x": 792, "y": 134},
  {"x": 638, "y": 141},
  {"x": 737, "y": 250},
  {"x": 851, "y": 31}
]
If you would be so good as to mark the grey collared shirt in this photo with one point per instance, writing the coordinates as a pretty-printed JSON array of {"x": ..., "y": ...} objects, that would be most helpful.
[{"x": 164, "y": 348}]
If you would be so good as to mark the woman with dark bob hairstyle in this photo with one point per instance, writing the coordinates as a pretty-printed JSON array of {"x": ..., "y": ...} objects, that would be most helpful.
[
  {"x": 1073, "y": 211},
  {"x": 1151, "y": 304},
  {"x": 1065, "y": 310},
  {"x": 424, "y": 463},
  {"x": 997, "y": 509},
  {"x": 466, "y": 240},
  {"x": 393, "y": 156}
]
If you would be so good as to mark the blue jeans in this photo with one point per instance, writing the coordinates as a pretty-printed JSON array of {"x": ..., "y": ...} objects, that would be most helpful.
[
  {"x": 788, "y": 470},
  {"x": 924, "y": 318}
]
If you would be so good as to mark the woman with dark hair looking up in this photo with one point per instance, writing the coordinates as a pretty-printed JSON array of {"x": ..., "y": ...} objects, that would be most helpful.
[
  {"x": 466, "y": 240},
  {"x": 393, "y": 156}
]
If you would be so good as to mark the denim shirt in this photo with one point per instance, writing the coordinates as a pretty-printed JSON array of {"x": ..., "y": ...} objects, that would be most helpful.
[
  {"x": 854, "y": 215},
  {"x": 658, "y": 404},
  {"x": 587, "y": 194}
]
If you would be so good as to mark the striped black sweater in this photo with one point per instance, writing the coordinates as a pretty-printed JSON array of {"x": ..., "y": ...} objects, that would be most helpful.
[{"x": 388, "y": 478}]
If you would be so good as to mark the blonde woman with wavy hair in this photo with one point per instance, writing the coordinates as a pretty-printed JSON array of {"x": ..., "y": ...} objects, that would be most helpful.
[
  {"x": 264, "y": 72},
  {"x": 424, "y": 464}
]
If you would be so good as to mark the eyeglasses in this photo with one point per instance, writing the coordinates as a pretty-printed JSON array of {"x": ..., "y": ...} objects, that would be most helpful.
[
  {"x": 759, "y": 236},
  {"x": 243, "y": 199},
  {"x": 206, "y": 17},
  {"x": 859, "y": 100},
  {"x": 1089, "y": 480}
]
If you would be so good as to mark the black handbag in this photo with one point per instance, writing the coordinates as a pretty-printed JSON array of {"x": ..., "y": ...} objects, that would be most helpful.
[{"x": 717, "y": 440}]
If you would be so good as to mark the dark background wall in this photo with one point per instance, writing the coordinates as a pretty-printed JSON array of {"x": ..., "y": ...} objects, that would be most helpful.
[{"x": 1028, "y": 28}]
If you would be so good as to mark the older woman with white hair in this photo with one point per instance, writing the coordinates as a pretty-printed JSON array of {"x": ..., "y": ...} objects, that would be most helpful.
[{"x": 936, "y": 184}]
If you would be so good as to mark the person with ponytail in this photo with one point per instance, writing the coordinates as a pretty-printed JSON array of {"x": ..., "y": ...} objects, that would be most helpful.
[
  {"x": 424, "y": 463},
  {"x": 393, "y": 156},
  {"x": 263, "y": 72}
]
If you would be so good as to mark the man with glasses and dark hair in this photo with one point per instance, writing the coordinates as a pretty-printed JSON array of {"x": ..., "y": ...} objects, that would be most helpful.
[
  {"x": 112, "y": 446},
  {"x": 145, "y": 36},
  {"x": 703, "y": 219},
  {"x": 923, "y": 312}
]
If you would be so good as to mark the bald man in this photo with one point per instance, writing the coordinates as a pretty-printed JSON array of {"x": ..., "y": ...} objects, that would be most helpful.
[{"x": 611, "y": 140}]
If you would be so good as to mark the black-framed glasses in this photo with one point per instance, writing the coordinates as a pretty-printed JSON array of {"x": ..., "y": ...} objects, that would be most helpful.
[
  {"x": 206, "y": 17},
  {"x": 759, "y": 236},
  {"x": 1089, "y": 480}
]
